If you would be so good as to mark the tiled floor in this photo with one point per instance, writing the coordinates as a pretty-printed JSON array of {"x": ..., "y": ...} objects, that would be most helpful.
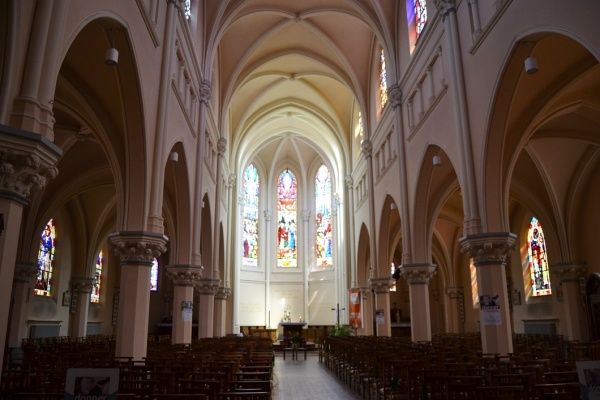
[{"x": 307, "y": 380}]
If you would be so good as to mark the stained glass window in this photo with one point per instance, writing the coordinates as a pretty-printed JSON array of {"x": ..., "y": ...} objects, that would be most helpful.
[
  {"x": 324, "y": 237},
  {"x": 474, "y": 286},
  {"x": 187, "y": 9},
  {"x": 392, "y": 271},
  {"x": 538, "y": 260},
  {"x": 95, "y": 297},
  {"x": 287, "y": 210},
  {"x": 382, "y": 80},
  {"x": 250, "y": 217},
  {"x": 358, "y": 132},
  {"x": 154, "y": 276},
  {"x": 46, "y": 253},
  {"x": 420, "y": 15}
]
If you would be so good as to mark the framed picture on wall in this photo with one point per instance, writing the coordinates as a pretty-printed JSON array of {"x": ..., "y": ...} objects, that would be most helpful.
[
  {"x": 66, "y": 301},
  {"x": 516, "y": 298}
]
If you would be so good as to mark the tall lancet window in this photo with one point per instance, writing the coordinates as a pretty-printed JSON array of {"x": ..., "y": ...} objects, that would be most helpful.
[
  {"x": 250, "y": 217},
  {"x": 287, "y": 212},
  {"x": 537, "y": 260},
  {"x": 324, "y": 237},
  {"x": 154, "y": 276},
  {"x": 95, "y": 297},
  {"x": 420, "y": 16},
  {"x": 46, "y": 253},
  {"x": 382, "y": 81}
]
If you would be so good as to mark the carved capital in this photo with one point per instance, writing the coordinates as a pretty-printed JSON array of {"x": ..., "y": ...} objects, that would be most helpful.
[
  {"x": 20, "y": 172},
  {"x": 367, "y": 148},
  {"x": 488, "y": 248},
  {"x": 349, "y": 181},
  {"x": 305, "y": 215},
  {"x": 221, "y": 146},
  {"x": 268, "y": 215},
  {"x": 381, "y": 285},
  {"x": 569, "y": 271},
  {"x": 232, "y": 180},
  {"x": 82, "y": 285},
  {"x": 445, "y": 6},
  {"x": 222, "y": 293},
  {"x": 455, "y": 292},
  {"x": 25, "y": 272},
  {"x": 205, "y": 92},
  {"x": 184, "y": 275},
  {"x": 208, "y": 286},
  {"x": 418, "y": 274},
  {"x": 394, "y": 95},
  {"x": 138, "y": 247}
]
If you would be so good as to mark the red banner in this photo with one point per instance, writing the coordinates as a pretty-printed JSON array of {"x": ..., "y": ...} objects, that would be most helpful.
[{"x": 355, "y": 309}]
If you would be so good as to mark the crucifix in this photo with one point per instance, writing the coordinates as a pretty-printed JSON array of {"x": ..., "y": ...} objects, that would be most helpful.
[{"x": 337, "y": 311}]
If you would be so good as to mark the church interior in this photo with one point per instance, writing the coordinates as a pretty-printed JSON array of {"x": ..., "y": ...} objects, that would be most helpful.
[{"x": 188, "y": 170}]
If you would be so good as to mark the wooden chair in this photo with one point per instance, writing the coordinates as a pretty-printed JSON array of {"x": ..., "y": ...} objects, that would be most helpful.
[
  {"x": 248, "y": 386},
  {"x": 37, "y": 396},
  {"x": 243, "y": 396},
  {"x": 178, "y": 396},
  {"x": 501, "y": 393},
  {"x": 563, "y": 391}
]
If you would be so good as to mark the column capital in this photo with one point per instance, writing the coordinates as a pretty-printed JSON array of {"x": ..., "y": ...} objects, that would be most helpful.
[
  {"x": 349, "y": 181},
  {"x": 205, "y": 91},
  {"x": 381, "y": 285},
  {"x": 208, "y": 286},
  {"x": 221, "y": 146},
  {"x": 367, "y": 148},
  {"x": 222, "y": 293},
  {"x": 268, "y": 215},
  {"x": 569, "y": 271},
  {"x": 488, "y": 248},
  {"x": 455, "y": 292},
  {"x": 184, "y": 275},
  {"x": 138, "y": 247},
  {"x": 418, "y": 274},
  {"x": 82, "y": 285},
  {"x": 27, "y": 161},
  {"x": 445, "y": 6},
  {"x": 305, "y": 215},
  {"x": 231, "y": 180},
  {"x": 394, "y": 95},
  {"x": 25, "y": 272}
]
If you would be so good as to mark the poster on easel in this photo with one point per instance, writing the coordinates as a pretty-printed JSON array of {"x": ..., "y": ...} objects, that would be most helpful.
[
  {"x": 92, "y": 384},
  {"x": 588, "y": 373}
]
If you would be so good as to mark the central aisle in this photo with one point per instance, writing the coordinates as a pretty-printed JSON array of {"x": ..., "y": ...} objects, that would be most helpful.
[{"x": 307, "y": 380}]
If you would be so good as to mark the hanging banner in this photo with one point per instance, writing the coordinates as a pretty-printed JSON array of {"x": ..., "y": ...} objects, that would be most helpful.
[{"x": 355, "y": 309}]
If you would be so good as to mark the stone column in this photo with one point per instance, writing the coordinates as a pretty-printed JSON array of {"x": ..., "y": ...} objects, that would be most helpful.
[
  {"x": 23, "y": 281},
  {"x": 221, "y": 149},
  {"x": 207, "y": 288},
  {"x": 489, "y": 252},
  {"x": 348, "y": 236},
  {"x": 418, "y": 276},
  {"x": 136, "y": 252},
  {"x": 367, "y": 150},
  {"x": 381, "y": 287},
  {"x": 184, "y": 278},
  {"x": 82, "y": 289},
  {"x": 221, "y": 311},
  {"x": 456, "y": 309},
  {"x": 570, "y": 275},
  {"x": 368, "y": 304},
  {"x": 26, "y": 162}
]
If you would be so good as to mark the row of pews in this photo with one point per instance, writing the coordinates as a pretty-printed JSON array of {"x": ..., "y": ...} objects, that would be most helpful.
[
  {"x": 229, "y": 368},
  {"x": 452, "y": 366}
]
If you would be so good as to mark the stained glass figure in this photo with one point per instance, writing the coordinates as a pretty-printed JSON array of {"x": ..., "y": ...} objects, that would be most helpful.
[
  {"x": 46, "y": 253},
  {"x": 95, "y": 296},
  {"x": 154, "y": 276},
  {"x": 287, "y": 210},
  {"x": 538, "y": 260},
  {"x": 420, "y": 8},
  {"x": 250, "y": 217},
  {"x": 324, "y": 236},
  {"x": 382, "y": 80}
]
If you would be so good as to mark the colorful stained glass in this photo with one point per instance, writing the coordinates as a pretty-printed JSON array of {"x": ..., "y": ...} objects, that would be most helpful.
[
  {"x": 287, "y": 210},
  {"x": 46, "y": 253},
  {"x": 358, "y": 131},
  {"x": 392, "y": 270},
  {"x": 250, "y": 217},
  {"x": 324, "y": 236},
  {"x": 187, "y": 9},
  {"x": 538, "y": 260},
  {"x": 382, "y": 80},
  {"x": 420, "y": 8},
  {"x": 154, "y": 276},
  {"x": 95, "y": 297}
]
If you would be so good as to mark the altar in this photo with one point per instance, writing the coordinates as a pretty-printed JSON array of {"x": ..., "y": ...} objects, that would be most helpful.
[{"x": 292, "y": 328}]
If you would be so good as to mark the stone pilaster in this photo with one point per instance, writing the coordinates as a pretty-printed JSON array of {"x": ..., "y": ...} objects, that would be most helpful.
[
  {"x": 207, "y": 289},
  {"x": 381, "y": 289},
  {"x": 23, "y": 282},
  {"x": 570, "y": 276},
  {"x": 80, "y": 303},
  {"x": 184, "y": 278},
  {"x": 221, "y": 297},
  {"x": 456, "y": 309},
  {"x": 136, "y": 252},
  {"x": 489, "y": 252},
  {"x": 418, "y": 276}
]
